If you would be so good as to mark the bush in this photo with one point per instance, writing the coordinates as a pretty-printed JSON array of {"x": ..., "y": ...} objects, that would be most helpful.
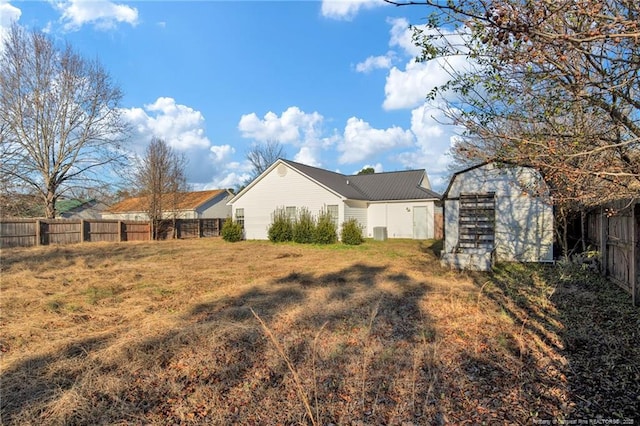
[
  {"x": 231, "y": 231},
  {"x": 351, "y": 233},
  {"x": 326, "y": 232},
  {"x": 281, "y": 228},
  {"x": 304, "y": 227}
]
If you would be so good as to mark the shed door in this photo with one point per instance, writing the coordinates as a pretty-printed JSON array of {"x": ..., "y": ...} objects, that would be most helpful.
[
  {"x": 477, "y": 221},
  {"x": 420, "y": 223}
]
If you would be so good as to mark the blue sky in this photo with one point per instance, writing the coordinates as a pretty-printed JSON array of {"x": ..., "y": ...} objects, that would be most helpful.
[{"x": 335, "y": 82}]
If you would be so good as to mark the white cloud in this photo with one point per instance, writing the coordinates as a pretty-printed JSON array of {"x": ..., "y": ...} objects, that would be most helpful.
[
  {"x": 8, "y": 15},
  {"x": 102, "y": 14},
  {"x": 293, "y": 126},
  {"x": 408, "y": 88},
  {"x": 347, "y": 9},
  {"x": 402, "y": 37},
  {"x": 181, "y": 126},
  {"x": 222, "y": 153},
  {"x": 375, "y": 62},
  {"x": 434, "y": 136},
  {"x": 308, "y": 155},
  {"x": 362, "y": 141}
]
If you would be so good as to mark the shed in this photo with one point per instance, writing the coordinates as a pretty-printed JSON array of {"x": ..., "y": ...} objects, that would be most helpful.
[
  {"x": 497, "y": 212},
  {"x": 391, "y": 204}
]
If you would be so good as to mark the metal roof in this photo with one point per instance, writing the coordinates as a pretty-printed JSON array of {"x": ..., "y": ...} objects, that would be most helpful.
[{"x": 388, "y": 186}]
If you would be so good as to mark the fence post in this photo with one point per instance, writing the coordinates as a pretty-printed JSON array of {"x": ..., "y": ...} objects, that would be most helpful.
[
  {"x": 38, "y": 233},
  {"x": 83, "y": 234},
  {"x": 120, "y": 231},
  {"x": 199, "y": 228}
]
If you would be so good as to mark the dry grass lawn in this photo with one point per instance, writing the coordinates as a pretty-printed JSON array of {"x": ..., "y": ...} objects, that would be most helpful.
[{"x": 209, "y": 332}]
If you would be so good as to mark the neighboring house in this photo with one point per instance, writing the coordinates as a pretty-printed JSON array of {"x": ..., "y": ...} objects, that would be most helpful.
[
  {"x": 400, "y": 203},
  {"x": 80, "y": 209},
  {"x": 497, "y": 212},
  {"x": 187, "y": 205}
]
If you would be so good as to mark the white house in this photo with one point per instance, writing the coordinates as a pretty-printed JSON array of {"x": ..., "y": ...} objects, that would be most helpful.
[
  {"x": 187, "y": 205},
  {"x": 400, "y": 203},
  {"x": 497, "y": 212}
]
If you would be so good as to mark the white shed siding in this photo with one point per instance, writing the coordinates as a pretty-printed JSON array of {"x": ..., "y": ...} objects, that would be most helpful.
[
  {"x": 274, "y": 190},
  {"x": 397, "y": 217},
  {"x": 524, "y": 223}
]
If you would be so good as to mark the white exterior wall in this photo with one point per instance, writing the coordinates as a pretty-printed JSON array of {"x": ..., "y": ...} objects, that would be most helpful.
[
  {"x": 273, "y": 191},
  {"x": 356, "y": 210},
  {"x": 143, "y": 216},
  {"x": 524, "y": 223},
  {"x": 126, "y": 216},
  {"x": 397, "y": 217}
]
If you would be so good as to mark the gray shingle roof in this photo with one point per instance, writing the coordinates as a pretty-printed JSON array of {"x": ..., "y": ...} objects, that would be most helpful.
[{"x": 388, "y": 186}]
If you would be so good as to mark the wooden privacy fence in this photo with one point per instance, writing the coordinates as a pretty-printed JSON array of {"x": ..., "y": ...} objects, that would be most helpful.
[
  {"x": 615, "y": 231},
  {"x": 34, "y": 232}
]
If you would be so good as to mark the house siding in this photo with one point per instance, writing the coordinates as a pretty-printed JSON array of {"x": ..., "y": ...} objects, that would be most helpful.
[
  {"x": 523, "y": 222},
  {"x": 397, "y": 217},
  {"x": 276, "y": 189},
  {"x": 216, "y": 208},
  {"x": 356, "y": 210}
]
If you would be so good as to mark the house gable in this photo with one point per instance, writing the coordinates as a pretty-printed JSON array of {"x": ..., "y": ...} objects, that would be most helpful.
[{"x": 280, "y": 186}]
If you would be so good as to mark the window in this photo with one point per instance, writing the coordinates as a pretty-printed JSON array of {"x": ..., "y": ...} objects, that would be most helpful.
[
  {"x": 291, "y": 213},
  {"x": 240, "y": 217},
  {"x": 333, "y": 212}
]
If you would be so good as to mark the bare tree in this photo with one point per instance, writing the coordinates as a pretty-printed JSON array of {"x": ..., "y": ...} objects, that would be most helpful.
[
  {"x": 552, "y": 84},
  {"x": 262, "y": 155},
  {"x": 59, "y": 117},
  {"x": 160, "y": 179}
]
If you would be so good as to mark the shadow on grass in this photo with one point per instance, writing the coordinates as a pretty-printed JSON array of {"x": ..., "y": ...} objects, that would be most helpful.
[
  {"x": 218, "y": 366},
  {"x": 578, "y": 337},
  {"x": 432, "y": 247},
  {"x": 32, "y": 383}
]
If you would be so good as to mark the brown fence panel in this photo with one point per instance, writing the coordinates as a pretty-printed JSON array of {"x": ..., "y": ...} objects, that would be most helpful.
[
  {"x": 18, "y": 233},
  {"x": 61, "y": 231},
  {"x": 135, "y": 231},
  {"x": 614, "y": 230},
  {"x": 188, "y": 228},
  {"x": 210, "y": 227},
  {"x": 102, "y": 230},
  {"x": 31, "y": 232}
]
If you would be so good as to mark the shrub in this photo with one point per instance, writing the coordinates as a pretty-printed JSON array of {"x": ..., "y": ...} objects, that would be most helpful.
[
  {"x": 231, "y": 231},
  {"x": 326, "y": 232},
  {"x": 281, "y": 228},
  {"x": 351, "y": 233},
  {"x": 304, "y": 227}
]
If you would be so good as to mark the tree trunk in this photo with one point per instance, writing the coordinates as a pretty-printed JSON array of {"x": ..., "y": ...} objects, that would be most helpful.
[{"x": 50, "y": 205}]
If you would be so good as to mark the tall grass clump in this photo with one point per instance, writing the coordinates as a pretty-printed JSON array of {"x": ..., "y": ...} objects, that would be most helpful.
[
  {"x": 326, "y": 232},
  {"x": 231, "y": 231},
  {"x": 281, "y": 228},
  {"x": 304, "y": 227},
  {"x": 351, "y": 233}
]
